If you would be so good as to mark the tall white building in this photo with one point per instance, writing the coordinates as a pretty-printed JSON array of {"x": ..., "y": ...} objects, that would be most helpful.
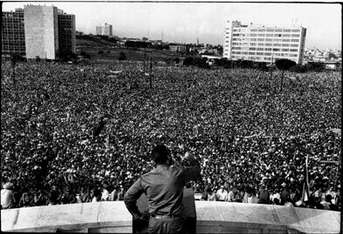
[
  {"x": 263, "y": 43},
  {"x": 106, "y": 30},
  {"x": 41, "y": 31}
]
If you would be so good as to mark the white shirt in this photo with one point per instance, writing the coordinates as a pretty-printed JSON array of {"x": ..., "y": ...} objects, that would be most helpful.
[
  {"x": 6, "y": 198},
  {"x": 222, "y": 195},
  {"x": 104, "y": 195}
]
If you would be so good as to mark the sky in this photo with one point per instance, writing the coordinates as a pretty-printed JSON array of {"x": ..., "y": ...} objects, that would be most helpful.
[{"x": 185, "y": 22}]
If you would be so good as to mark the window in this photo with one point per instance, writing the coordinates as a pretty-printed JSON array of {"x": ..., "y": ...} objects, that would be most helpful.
[
  {"x": 260, "y": 39},
  {"x": 293, "y": 50},
  {"x": 285, "y": 45},
  {"x": 278, "y": 30},
  {"x": 260, "y": 44},
  {"x": 295, "y": 35},
  {"x": 286, "y": 35},
  {"x": 275, "y": 49},
  {"x": 276, "y": 44},
  {"x": 268, "y": 44},
  {"x": 277, "y": 35},
  {"x": 252, "y": 48},
  {"x": 269, "y": 35},
  {"x": 259, "y": 53},
  {"x": 267, "y": 49},
  {"x": 287, "y": 30},
  {"x": 294, "y": 45},
  {"x": 267, "y": 54},
  {"x": 285, "y": 40},
  {"x": 259, "y": 49},
  {"x": 252, "y": 44},
  {"x": 294, "y": 40},
  {"x": 253, "y": 30},
  {"x": 285, "y": 50},
  {"x": 296, "y": 30},
  {"x": 261, "y": 35},
  {"x": 269, "y": 39},
  {"x": 235, "y": 34},
  {"x": 252, "y": 53}
]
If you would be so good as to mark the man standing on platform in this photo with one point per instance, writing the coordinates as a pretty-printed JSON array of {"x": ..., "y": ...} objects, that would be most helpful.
[{"x": 163, "y": 187}]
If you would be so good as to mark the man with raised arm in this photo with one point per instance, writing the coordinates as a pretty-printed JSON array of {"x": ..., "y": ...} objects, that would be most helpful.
[{"x": 163, "y": 187}]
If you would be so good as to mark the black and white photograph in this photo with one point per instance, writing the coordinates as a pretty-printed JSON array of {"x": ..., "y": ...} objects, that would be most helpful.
[{"x": 177, "y": 117}]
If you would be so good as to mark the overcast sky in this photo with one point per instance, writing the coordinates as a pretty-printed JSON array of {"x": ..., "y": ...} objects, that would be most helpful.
[{"x": 185, "y": 22}]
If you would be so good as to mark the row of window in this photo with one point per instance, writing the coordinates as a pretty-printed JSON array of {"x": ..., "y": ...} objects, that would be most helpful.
[
  {"x": 263, "y": 39},
  {"x": 265, "y": 53},
  {"x": 264, "y": 35},
  {"x": 264, "y": 49},
  {"x": 263, "y": 44},
  {"x": 269, "y": 30}
]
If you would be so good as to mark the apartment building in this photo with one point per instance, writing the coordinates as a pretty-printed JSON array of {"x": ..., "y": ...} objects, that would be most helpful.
[
  {"x": 38, "y": 31},
  {"x": 13, "y": 33},
  {"x": 66, "y": 32},
  {"x": 106, "y": 30},
  {"x": 263, "y": 43}
]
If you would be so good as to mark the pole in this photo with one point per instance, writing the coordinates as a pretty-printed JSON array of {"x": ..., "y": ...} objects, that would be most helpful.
[{"x": 150, "y": 72}]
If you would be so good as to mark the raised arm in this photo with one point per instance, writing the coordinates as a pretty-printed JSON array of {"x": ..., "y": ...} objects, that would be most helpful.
[{"x": 191, "y": 168}]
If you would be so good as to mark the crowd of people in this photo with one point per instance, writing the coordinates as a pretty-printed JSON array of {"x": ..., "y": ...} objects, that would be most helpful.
[{"x": 83, "y": 133}]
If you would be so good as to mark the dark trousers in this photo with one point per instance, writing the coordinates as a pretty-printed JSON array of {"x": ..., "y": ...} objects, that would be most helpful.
[
  {"x": 166, "y": 225},
  {"x": 190, "y": 225}
]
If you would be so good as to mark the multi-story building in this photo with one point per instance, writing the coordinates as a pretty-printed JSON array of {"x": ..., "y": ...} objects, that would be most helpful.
[
  {"x": 98, "y": 30},
  {"x": 106, "y": 30},
  {"x": 66, "y": 33},
  {"x": 38, "y": 31},
  {"x": 41, "y": 31},
  {"x": 263, "y": 43},
  {"x": 13, "y": 33}
]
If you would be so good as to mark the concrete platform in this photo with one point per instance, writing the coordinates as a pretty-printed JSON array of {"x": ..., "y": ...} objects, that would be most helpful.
[{"x": 213, "y": 217}]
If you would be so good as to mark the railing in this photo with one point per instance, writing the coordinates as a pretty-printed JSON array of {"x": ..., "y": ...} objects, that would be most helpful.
[{"x": 212, "y": 217}]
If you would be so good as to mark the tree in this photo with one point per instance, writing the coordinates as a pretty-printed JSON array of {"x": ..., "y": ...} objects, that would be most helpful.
[
  {"x": 188, "y": 61},
  {"x": 284, "y": 65},
  {"x": 122, "y": 56}
]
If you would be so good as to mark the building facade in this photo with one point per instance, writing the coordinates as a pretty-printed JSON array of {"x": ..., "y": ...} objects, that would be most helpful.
[
  {"x": 263, "y": 43},
  {"x": 66, "y": 33},
  {"x": 41, "y": 31},
  {"x": 13, "y": 33},
  {"x": 106, "y": 30},
  {"x": 98, "y": 30}
]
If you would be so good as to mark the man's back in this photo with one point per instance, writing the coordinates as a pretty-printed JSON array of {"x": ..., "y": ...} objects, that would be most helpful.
[{"x": 163, "y": 187}]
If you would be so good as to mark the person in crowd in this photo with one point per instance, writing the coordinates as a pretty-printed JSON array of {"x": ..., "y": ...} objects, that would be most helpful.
[
  {"x": 264, "y": 195},
  {"x": 7, "y": 196},
  {"x": 105, "y": 194},
  {"x": 222, "y": 194},
  {"x": 25, "y": 200},
  {"x": 163, "y": 187},
  {"x": 285, "y": 195}
]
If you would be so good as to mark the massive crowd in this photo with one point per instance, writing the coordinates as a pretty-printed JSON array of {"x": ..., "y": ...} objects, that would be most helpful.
[{"x": 83, "y": 133}]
